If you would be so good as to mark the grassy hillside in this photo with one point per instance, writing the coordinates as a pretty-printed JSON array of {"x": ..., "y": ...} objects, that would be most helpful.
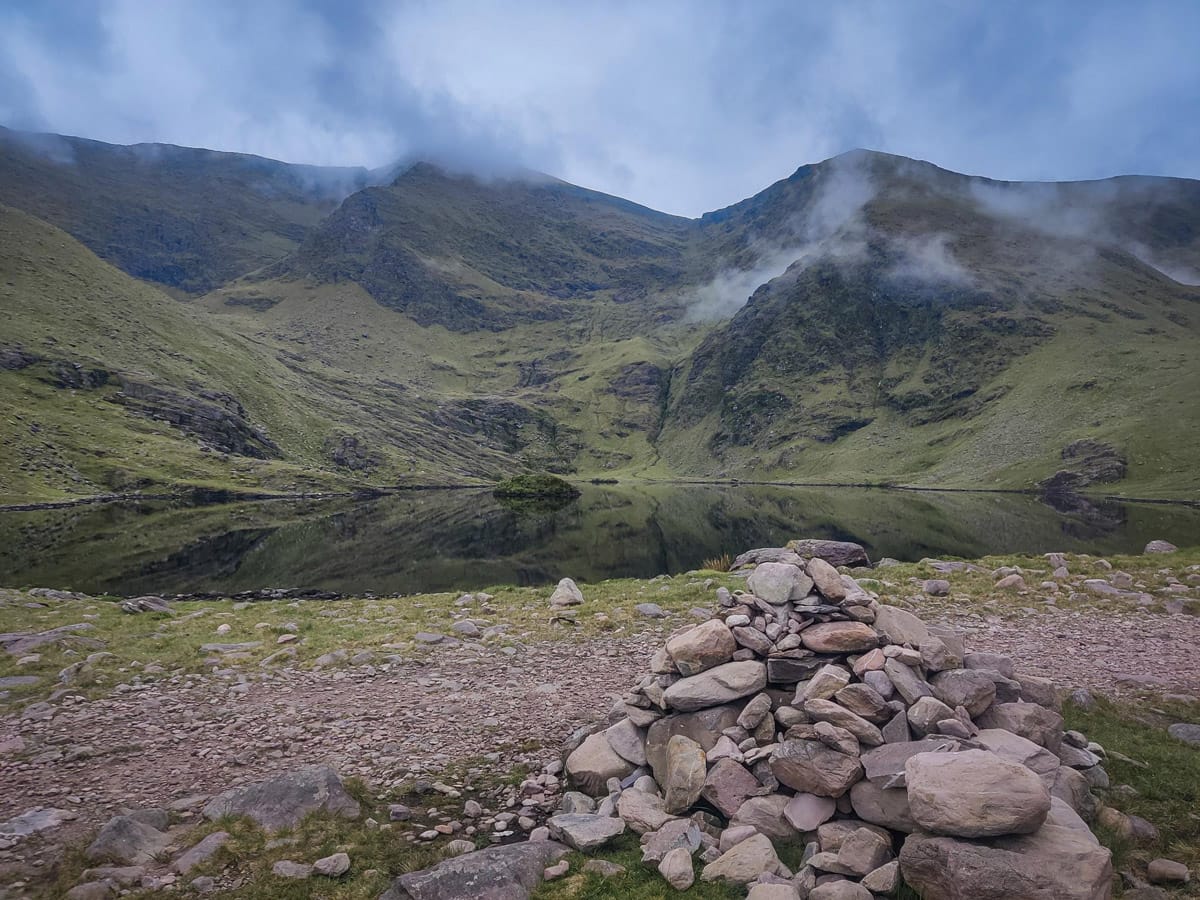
[
  {"x": 187, "y": 219},
  {"x": 913, "y": 326},
  {"x": 107, "y": 385}
]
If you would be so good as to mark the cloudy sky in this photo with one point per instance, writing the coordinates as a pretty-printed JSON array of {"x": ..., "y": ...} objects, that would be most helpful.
[{"x": 683, "y": 106}]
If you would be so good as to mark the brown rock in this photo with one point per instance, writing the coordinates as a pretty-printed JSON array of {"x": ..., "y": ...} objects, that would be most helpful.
[
  {"x": 839, "y": 637},
  {"x": 827, "y": 579},
  {"x": 1062, "y": 860},
  {"x": 701, "y": 648},
  {"x": 727, "y": 786},
  {"x": 686, "y": 770},
  {"x": 717, "y": 686},
  {"x": 813, "y": 768},
  {"x": 1029, "y": 720},
  {"x": 974, "y": 793}
]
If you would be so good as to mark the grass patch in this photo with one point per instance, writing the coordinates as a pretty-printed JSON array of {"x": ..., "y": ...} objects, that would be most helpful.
[{"x": 1166, "y": 784}]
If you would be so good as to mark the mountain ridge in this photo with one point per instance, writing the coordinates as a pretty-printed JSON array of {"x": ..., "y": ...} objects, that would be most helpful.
[{"x": 868, "y": 318}]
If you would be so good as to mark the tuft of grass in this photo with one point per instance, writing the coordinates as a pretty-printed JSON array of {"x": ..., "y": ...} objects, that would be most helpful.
[{"x": 717, "y": 563}]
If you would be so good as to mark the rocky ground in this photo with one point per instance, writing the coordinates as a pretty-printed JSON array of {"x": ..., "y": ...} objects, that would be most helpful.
[{"x": 157, "y": 743}]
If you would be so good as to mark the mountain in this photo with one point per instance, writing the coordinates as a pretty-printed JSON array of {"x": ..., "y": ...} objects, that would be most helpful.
[
  {"x": 189, "y": 220},
  {"x": 867, "y": 319}
]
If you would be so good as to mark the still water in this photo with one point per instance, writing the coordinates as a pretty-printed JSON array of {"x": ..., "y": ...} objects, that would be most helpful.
[{"x": 464, "y": 539}]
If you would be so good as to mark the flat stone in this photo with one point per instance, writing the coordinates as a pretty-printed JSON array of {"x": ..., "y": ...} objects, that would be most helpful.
[
  {"x": 200, "y": 853},
  {"x": 585, "y": 831},
  {"x": 806, "y": 812},
  {"x": 506, "y": 872},
  {"x": 628, "y": 741},
  {"x": 125, "y": 840},
  {"x": 642, "y": 811},
  {"x": 884, "y": 766},
  {"x": 828, "y": 711},
  {"x": 717, "y": 686},
  {"x": 839, "y": 637},
  {"x": 907, "y": 682},
  {"x": 827, "y": 681},
  {"x": 282, "y": 801},
  {"x": 898, "y": 626},
  {"x": 1183, "y": 731}
]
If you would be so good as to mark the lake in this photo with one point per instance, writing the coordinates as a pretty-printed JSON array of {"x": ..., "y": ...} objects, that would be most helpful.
[{"x": 449, "y": 540}]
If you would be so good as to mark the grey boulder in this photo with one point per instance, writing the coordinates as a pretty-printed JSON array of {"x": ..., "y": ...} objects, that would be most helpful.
[{"x": 282, "y": 801}]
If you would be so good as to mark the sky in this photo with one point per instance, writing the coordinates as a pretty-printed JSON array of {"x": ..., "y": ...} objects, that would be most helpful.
[{"x": 682, "y": 106}]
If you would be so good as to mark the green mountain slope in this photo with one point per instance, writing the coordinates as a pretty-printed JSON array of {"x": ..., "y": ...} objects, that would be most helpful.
[
  {"x": 187, "y": 219},
  {"x": 910, "y": 325}
]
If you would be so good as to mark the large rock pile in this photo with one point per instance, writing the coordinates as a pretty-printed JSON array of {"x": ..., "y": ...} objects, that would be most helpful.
[{"x": 805, "y": 712}]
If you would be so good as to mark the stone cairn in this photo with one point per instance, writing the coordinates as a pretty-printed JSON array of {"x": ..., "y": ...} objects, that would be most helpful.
[{"x": 807, "y": 713}]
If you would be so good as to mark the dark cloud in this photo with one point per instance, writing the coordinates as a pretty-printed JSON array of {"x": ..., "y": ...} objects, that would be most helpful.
[{"x": 685, "y": 106}]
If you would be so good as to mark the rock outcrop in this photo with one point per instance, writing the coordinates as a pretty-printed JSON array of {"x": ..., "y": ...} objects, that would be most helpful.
[{"x": 806, "y": 712}]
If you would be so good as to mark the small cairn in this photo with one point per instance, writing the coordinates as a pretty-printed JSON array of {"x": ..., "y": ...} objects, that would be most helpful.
[{"x": 807, "y": 713}]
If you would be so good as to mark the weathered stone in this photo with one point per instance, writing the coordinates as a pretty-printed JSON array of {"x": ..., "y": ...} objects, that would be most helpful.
[
  {"x": 628, "y": 741},
  {"x": 884, "y": 766},
  {"x": 703, "y": 647},
  {"x": 91, "y": 890},
  {"x": 924, "y": 715},
  {"x": 676, "y": 833},
  {"x": 287, "y": 868},
  {"x": 1042, "y": 691},
  {"x": 828, "y": 711},
  {"x": 1160, "y": 547},
  {"x": 743, "y": 862},
  {"x": 993, "y": 662},
  {"x": 896, "y": 731},
  {"x": 824, "y": 684},
  {"x": 826, "y": 579},
  {"x": 282, "y": 801},
  {"x": 127, "y": 841},
  {"x": 767, "y": 815},
  {"x": 899, "y": 626},
  {"x": 333, "y": 866},
  {"x": 772, "y": 892},
  {"x": 642, "y": 811},
  {"x": 864, "y": 851},
  {"x": 974, "y": 793},
  {"x": 200, "y": 853},
  {"x": 566, "y": 594},
  {"x": 907, "y": 682},
  {"x": 964, "y": 687},
  {"x": 936, "y": 587},
  {"x": 835, "y": 737},
  {"x": 686, "y": 767},
  {"x": 813, "y": 768},
  {"x": 1186, "y": 732},
  {"x": 789, "y": 670},
  {"x": 604, "y": 868},
  {"x": 1073, "y": 789},
  {"x": 839, "y": 637},
  {"x": 936, "y": 655},
  {"x": 717, "y": 686},
  {"x": 753, "y": 639},
  {"x": 806, "y": 812},
  {"x": 777, "y": 583},
  {"x": 865, "y": 701},
  {"x": 1023, "y": 751},
  {"x": 1037, "y": 723},
  {"x": 595, "y": 761},
  {"x": 755, "y": 711},
  {"x": 676, "y": 869},
  {"x": 839, "y": 889},
  {"x": 508, "y": 872},
  {"x": 727, "y": 786},
  {"x": 1167, "y": 871},
  {"x": 585, "y": 831},
  {"x": 885, "y": 880},
  {"x": 704, "y": 727},
  {"x": 879, "y": 806},
  {"x": 1062, "y": 860}
]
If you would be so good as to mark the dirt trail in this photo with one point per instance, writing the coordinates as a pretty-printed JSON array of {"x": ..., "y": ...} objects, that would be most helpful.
[{"x": 150, "y": 747}]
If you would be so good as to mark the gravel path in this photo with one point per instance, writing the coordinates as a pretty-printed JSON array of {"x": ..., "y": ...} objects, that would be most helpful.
[{"x": 206, "y": 734}]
